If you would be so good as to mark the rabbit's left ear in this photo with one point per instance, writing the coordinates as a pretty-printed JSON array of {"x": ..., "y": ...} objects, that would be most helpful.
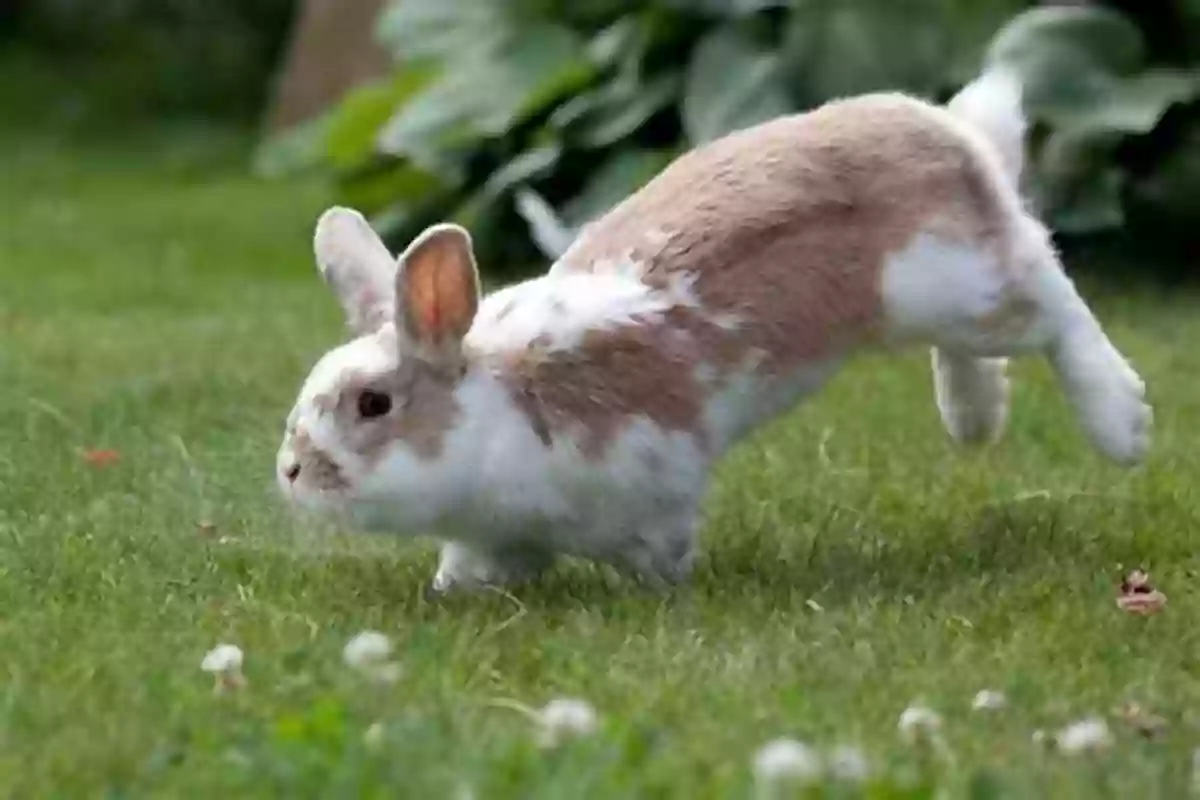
[
  {"x": 358, "y": 268},
  {"x": 437, "y": 291}
]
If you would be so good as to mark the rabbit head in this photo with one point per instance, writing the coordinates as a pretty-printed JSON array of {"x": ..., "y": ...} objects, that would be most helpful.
[{"x": 370, "y": 432}]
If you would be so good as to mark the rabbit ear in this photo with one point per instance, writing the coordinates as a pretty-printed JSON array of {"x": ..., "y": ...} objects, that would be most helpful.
[
  {"x": 357, "y": 266},
  {"x": 437, "y": 291}
]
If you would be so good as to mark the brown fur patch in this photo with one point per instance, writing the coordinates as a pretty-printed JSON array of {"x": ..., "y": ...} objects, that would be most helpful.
[
  {"x": 787, "y": 225},
  {"x": 316, "y": 467},
  {"x": 424, "y": 410},
  {"x": 784, "y": 229},
  {"x": 613, "y": 377}
]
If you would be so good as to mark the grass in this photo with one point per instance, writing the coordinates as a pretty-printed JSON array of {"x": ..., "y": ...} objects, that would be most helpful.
[{"x": 157, "y": 302}]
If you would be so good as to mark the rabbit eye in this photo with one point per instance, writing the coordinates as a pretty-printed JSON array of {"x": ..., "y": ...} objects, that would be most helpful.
[{"x": 373, "y": 404}]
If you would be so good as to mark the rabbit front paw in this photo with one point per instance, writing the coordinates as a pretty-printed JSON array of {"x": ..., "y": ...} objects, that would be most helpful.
[{"x": 470, "y": 568}]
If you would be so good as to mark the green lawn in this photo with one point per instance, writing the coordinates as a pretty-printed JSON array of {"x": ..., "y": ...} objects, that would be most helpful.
[{"x": 157, "y": 302}]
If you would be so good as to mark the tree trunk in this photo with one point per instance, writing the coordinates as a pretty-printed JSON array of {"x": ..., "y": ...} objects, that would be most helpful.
[{"x": 332, "y": 50}]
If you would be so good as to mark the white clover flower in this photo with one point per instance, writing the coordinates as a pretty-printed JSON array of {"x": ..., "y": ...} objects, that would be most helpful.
[
  {"x": 989, "y": 700},
  {"x": 849, "y": 764},
  {"x": 786, "y": 762},
  {"x": 918, "y": 723},
  {"x": 370, "y": 652},
  {"x": 565, "y": 718},
  {"x": 223, "y": 658},
  {"x": 367, "y": 649},
  {"x": 225, "y": 662},
  {"x": 1086, "y": 736}
]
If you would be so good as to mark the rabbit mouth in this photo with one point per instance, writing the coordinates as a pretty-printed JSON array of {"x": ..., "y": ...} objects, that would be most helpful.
[
  {"x": 306, "y": 471},
  {"x": 322, "y": 474}
]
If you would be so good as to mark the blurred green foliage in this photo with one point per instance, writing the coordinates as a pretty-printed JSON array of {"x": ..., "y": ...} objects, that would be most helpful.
[
  {"x": 199, "y": 57},
  {"x": 523, "y": 119}
]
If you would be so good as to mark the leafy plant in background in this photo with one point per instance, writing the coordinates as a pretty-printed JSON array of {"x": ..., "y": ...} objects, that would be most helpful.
[
  {"x": 523, "y": 119},
  {"x": 1090, "y": 88}
]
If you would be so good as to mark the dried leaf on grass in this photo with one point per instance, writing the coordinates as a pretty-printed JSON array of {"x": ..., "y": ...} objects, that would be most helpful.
[
  {"x": 102, "y": 457},
  {"x": 1138, "y": 596}
]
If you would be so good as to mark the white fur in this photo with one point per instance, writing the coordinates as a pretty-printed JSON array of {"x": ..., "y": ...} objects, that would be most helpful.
[
  {"x": 560, "y": 309},
  {"x": 1107, "y": 394},
  {"x": 937, "y": 291},
  {"x": 371, "y": 353},
  {"x": 744, "y": 400},
  {"x": 358, "y": 265},
  {"x": 528, "y": 502},
  {"x": 935, "y": 286},
  {"x": 972, "y": 395},
  {"x": 992, "y": 105}
]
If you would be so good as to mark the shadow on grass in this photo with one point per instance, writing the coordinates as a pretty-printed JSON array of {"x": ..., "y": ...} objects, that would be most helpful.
[{"x": 1000, "y": 545}]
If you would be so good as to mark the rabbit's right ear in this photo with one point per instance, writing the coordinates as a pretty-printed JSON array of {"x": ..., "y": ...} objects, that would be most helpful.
[{"x": 358, "y": 268}]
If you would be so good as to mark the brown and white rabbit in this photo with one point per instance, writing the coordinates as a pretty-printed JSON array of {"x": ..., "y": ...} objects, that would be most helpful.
[{"x": 580, "y": 412}]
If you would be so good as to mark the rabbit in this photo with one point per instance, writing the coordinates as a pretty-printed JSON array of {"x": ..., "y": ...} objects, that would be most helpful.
[{"x": 581, "y": 412}]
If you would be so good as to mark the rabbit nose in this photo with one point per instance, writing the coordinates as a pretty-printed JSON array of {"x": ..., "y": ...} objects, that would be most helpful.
[{"x": 292, "y": 472}]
